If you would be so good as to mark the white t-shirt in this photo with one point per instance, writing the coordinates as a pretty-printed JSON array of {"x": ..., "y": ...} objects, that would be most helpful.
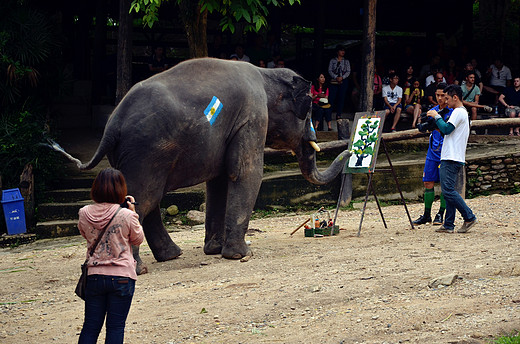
[
  {"x": 454, "y": 146},
  {"x": 392, "y": 94},
  {"x": 431, "y": 79},
  {"x": 499, "y": 77}
]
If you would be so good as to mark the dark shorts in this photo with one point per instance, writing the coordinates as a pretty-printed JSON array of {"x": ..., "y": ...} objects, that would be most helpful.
[
  {"x": 392, "y": 104},
  {"x": 499, "y": 89},
  {"x": 409, "y": 106},
  {"x": 431, "y": 171}
]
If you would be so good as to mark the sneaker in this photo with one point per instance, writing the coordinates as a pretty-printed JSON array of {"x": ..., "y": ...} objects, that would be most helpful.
[
  {"x": 466, "y": 226},
  {"x": 438, "y": 220},
  {"x": 473, "y": 132},
  {"x": 422, "y": 220},
  {"x": 443, "y": 229}
]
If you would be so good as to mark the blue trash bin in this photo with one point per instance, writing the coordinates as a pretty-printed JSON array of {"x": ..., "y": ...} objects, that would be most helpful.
[{"x": 14, "y": 212}]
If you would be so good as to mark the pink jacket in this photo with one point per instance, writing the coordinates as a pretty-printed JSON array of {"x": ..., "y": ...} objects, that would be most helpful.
[{"x": 113, "y": 255}]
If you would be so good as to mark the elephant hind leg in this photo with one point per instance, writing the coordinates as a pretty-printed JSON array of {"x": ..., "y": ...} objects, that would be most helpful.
[
  {"x": 162, "y": 246},
  {"x": 216, "y": 195},
  {"x": 140, "y": 268}
]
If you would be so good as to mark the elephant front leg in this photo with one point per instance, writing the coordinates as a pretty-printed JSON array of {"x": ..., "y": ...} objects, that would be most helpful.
[
  {"x": 162, "y": 246},
  {"x": 216, "y": 196},
  {"x": 241, "y": 199}
]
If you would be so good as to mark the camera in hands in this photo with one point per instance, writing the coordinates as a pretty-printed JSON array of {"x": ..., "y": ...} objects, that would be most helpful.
[
  {"x": 427, "y": 123},
  {"x": 125, "y": 203}
]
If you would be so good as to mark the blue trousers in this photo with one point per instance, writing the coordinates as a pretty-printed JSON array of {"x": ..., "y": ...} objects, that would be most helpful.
[
  {"x": 337, "y": 95},
  {"x": 448, "y": 173},
  {"x": 109, "y": 296}
]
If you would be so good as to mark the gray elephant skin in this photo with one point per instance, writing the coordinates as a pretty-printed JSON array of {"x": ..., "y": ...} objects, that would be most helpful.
[{"x": 208, "y": 120}]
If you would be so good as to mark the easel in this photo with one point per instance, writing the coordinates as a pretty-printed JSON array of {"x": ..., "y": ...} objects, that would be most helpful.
[
  {"x": 370, "y": 187},
  {"x": 371, "y": 169}
]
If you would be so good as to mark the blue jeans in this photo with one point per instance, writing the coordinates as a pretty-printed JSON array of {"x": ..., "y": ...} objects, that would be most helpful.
[
  {"x": 337, "y": 95},
  {"x": 448, "y": 173},
  {"x": 110, "y": 296}
]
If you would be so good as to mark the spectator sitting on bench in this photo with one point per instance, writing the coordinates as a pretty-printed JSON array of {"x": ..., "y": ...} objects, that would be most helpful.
[
  {"x": 412, "y": 100},
  {"x": 511, "y": 100},
  {"x": 429, "y": 92},
  {"x": 462, "y": 77},
  {"x": 392, "y": 96},
  {"x": 471, "y": 96},
  {"x": 499, "y": 77}
]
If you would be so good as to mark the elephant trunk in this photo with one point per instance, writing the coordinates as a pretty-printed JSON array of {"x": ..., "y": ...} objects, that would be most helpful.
[{"x": 306, "y": 155}]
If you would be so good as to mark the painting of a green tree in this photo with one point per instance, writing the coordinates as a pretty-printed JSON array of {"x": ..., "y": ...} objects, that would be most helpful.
[{"x": 364, "y": 143}]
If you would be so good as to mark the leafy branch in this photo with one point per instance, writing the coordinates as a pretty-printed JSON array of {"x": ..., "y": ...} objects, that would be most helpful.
[{"x": 252, "y": 12}]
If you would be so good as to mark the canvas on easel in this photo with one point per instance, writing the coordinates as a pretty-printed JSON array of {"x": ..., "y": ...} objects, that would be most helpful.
[{"x": 364, "y": 142}]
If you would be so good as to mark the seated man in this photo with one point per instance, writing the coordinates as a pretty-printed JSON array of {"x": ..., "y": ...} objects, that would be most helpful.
[
  {"x": 511, "y": 100},
  {"x": 392, "y": 96},
  {"x": 462, "y": 76},
  {"x": 499, "y": 78},
  {"x": 429, "y": 92},
  {"x": 430, "y": 79},
  {"x": 471, "y": 96}
]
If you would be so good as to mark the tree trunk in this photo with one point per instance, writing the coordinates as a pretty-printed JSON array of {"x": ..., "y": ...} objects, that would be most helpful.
[
  {"x": 195, "y": 25},
  {"x": 369, "y": 44},
  {"x": 319, "y": 30},
  {"x": 492, "y": 16},
  {"x": 124, "y": 50},
  {"x": 27, "y": 191}
]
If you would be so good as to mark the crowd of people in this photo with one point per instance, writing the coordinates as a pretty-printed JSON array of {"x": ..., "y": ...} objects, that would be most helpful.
[{"x": 401, "y": 88}]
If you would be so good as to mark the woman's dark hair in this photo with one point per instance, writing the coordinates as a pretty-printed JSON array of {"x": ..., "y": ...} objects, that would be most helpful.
[
  {"x": 109, "y": 187},
  {"x": 340, "y": 47},
  {"x": 316, "y": 82}
]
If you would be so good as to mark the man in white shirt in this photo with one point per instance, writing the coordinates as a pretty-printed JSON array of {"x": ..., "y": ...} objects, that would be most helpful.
[
  {"x": 430, "y": 79},
  {"x": 453, "y": 157},
  {"x": 499, "y": 77},
  {"x": 392, "y": 96}
]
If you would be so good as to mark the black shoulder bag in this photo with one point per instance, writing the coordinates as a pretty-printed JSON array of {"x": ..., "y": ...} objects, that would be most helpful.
[
  {"x": 467, "y": 94},
  {"x": 82, "y": 283}
]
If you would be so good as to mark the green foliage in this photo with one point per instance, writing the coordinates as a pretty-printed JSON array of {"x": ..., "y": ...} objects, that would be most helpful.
[
  {"x": 26, "y": 43},
  {"x": 29, "y": 75},
  {"x": 514, "y": 338},
  {"x": 252, "y": 12},
  {"x": 21, "y": 138}
]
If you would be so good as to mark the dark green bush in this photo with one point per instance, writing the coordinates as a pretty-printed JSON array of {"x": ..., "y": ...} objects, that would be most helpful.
[{"x": 21, "y": 142}]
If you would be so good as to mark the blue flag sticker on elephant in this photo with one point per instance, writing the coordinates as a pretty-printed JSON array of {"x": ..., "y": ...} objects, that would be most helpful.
[{"x": 213, "y": 110}]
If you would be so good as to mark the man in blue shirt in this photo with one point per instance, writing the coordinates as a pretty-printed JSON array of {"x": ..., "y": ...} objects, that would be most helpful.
[
  {"x": 433, "y": 160},
  {"x": 453, "y": 158}
]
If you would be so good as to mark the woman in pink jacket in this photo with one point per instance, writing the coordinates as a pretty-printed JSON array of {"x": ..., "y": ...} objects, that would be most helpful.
[{"x": 111, "y": 269}]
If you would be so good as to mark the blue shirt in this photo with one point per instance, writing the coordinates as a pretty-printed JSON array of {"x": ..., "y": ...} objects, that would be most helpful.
[{"x": 436, "y": 138}]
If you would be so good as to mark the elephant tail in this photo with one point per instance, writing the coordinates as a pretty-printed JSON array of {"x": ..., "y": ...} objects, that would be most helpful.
[{"x": 103, "y": 148}]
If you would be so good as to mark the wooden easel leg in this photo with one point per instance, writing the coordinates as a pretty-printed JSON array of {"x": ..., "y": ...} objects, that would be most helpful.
[
  {"x": 397, "y": 182},
  {"x": 377, "y": 202},
  {"x": 343, "y": 178},
  {"x": 365, "y": 203}
]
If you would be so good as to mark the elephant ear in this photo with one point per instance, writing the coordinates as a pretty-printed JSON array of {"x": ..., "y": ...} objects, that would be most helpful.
[{"x": 300, "y": 94}]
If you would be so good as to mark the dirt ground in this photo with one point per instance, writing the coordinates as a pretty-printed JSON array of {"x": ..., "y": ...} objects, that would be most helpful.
[{"x": 341, "y": 289}]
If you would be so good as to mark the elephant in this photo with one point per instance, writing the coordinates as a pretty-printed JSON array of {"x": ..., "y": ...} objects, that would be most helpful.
[{"x": 208, "y": 120}]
